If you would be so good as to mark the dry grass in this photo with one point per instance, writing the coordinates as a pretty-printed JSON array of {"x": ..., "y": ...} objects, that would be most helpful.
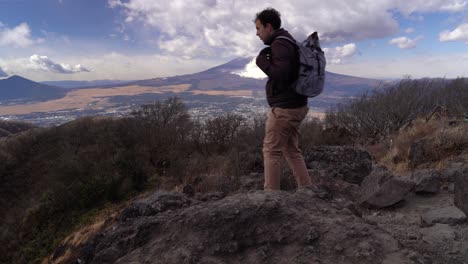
[
  {"x": 452, "y": 139},
  {"x": 444, "y": 142}
]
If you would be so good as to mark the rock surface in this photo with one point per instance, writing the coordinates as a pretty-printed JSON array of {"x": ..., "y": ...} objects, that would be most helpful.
[
  {"x": 438, "y": 244},
  {"x": 461, "y": 189},
  {"x": 258, "y": 227},
  {"x": 346, "y": 163},
  {"x": 253, "y": 181},
  {"x": 426, "y": 181},
  {"x": 452, "y": 171},
  {"x": 382, "y": 189},
  {"x": 438, "y": 233},
  {"x": 450, "y": 215}
]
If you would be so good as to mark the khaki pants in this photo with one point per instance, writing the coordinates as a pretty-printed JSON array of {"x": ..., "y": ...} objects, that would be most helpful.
[{"x": 282, "y": 139}]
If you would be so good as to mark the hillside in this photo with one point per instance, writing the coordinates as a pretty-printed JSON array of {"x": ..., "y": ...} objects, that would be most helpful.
[
  {"x": 21, "y": 90},
  {"x": 60, "y": 179},
  {"x": 389, "y": 160}
]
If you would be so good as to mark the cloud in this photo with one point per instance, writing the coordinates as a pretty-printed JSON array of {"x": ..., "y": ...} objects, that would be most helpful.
[
  {"x": 458, "y": 34},
  {"x": 3, "y": 73},
  {"x": 20, "y": 36},
  {"x": 195, "y": 28},
  {"x": 457, "y": 6},
  {"x": 111, "y": 65},
  {"x": 423, "y": 6},
  {"x": 337, "y": 55},
  {"x": 251, "y": 71},
  {"x": 416, "y": 66},
  {"x": 409, "y": 30},
  {"x": 405, "y": 43},
  {"x": 44, "y": 63}
]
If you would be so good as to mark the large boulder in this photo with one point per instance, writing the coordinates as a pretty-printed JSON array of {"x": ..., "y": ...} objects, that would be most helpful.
[
  {"x": 426, "y": 181},
  {"x": 343, "y": 162},
  {"x": 383, "y": 189},
  {"x": 461, "y": 189},
  {"x": 257, "y": 227}
]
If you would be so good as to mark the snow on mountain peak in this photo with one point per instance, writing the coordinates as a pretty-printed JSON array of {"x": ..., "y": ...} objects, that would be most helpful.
[{"x": 251, "y": 71}]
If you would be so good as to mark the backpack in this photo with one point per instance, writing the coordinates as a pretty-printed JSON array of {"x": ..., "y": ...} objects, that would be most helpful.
[{"x": 311, "y": 78}]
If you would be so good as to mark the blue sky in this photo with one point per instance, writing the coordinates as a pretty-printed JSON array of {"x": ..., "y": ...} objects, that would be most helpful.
[{"x": 140, "y": 39}]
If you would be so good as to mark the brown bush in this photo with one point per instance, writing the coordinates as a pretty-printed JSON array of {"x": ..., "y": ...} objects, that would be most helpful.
[
  {"x": 436, "y": 138},
  {"x": 452, "y": 140}
]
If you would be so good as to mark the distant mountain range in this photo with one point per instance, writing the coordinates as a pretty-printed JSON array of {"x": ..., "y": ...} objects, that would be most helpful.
[
  {"x": 83, "y": 84},
  {"x": 17, "y": 89},
  {"x": 21, "y": 90}
]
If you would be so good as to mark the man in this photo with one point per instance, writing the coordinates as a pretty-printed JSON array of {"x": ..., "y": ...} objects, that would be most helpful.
[{"x": 280, "y": 63}]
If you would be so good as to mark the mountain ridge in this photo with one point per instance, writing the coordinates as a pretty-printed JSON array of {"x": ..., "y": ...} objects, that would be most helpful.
[{"x": 19, "y": 89}]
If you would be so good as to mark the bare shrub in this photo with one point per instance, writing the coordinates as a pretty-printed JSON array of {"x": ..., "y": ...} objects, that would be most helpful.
[
  {"x": 385, "y": 111},
  {"x": 311, "y": 132},
  {"x": 220, "y": 132}
]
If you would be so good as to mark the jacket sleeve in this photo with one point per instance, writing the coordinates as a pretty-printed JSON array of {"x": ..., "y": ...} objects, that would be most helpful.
[{"x": 279, "y": 67}]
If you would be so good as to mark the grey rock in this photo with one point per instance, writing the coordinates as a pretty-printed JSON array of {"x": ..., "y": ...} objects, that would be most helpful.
[
  {"x": 439, "y": 233},
  {"x": 251, "y": 182},
  {"x": 461, "y": 189},
  {"x": 212, "y": 196},
  {"x": 448, "y": 215},
  {"x": 335, "y": 188},
  {"x": 159, "y": 202},
  {"x": 346, "y": 163},
  {"x": 256, "y": 227},
  {"x": 378, "y": 168},
  {"x": 452, "y": 171},
  {"x": 426, "y": 181},
  {"x": 383, "y": 189}
]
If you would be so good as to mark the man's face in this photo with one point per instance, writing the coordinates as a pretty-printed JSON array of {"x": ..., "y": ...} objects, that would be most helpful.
[{"x": 263, "y": 32}]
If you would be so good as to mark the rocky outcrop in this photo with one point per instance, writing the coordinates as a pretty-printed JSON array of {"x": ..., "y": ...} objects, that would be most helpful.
[
  {"x": 155, "y": 204},
  {"x": 450, "y": 215},
  {"x": 461, "y": 189},
  {"x": 426, "y": 181},
  {"x": 342, "y": 162},
  {"x": 382, "y": 189},
  {"x": 257, "y": 227}
]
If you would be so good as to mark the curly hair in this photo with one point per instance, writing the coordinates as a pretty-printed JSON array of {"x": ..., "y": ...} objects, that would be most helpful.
[{"x": 269, "y": 16}]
